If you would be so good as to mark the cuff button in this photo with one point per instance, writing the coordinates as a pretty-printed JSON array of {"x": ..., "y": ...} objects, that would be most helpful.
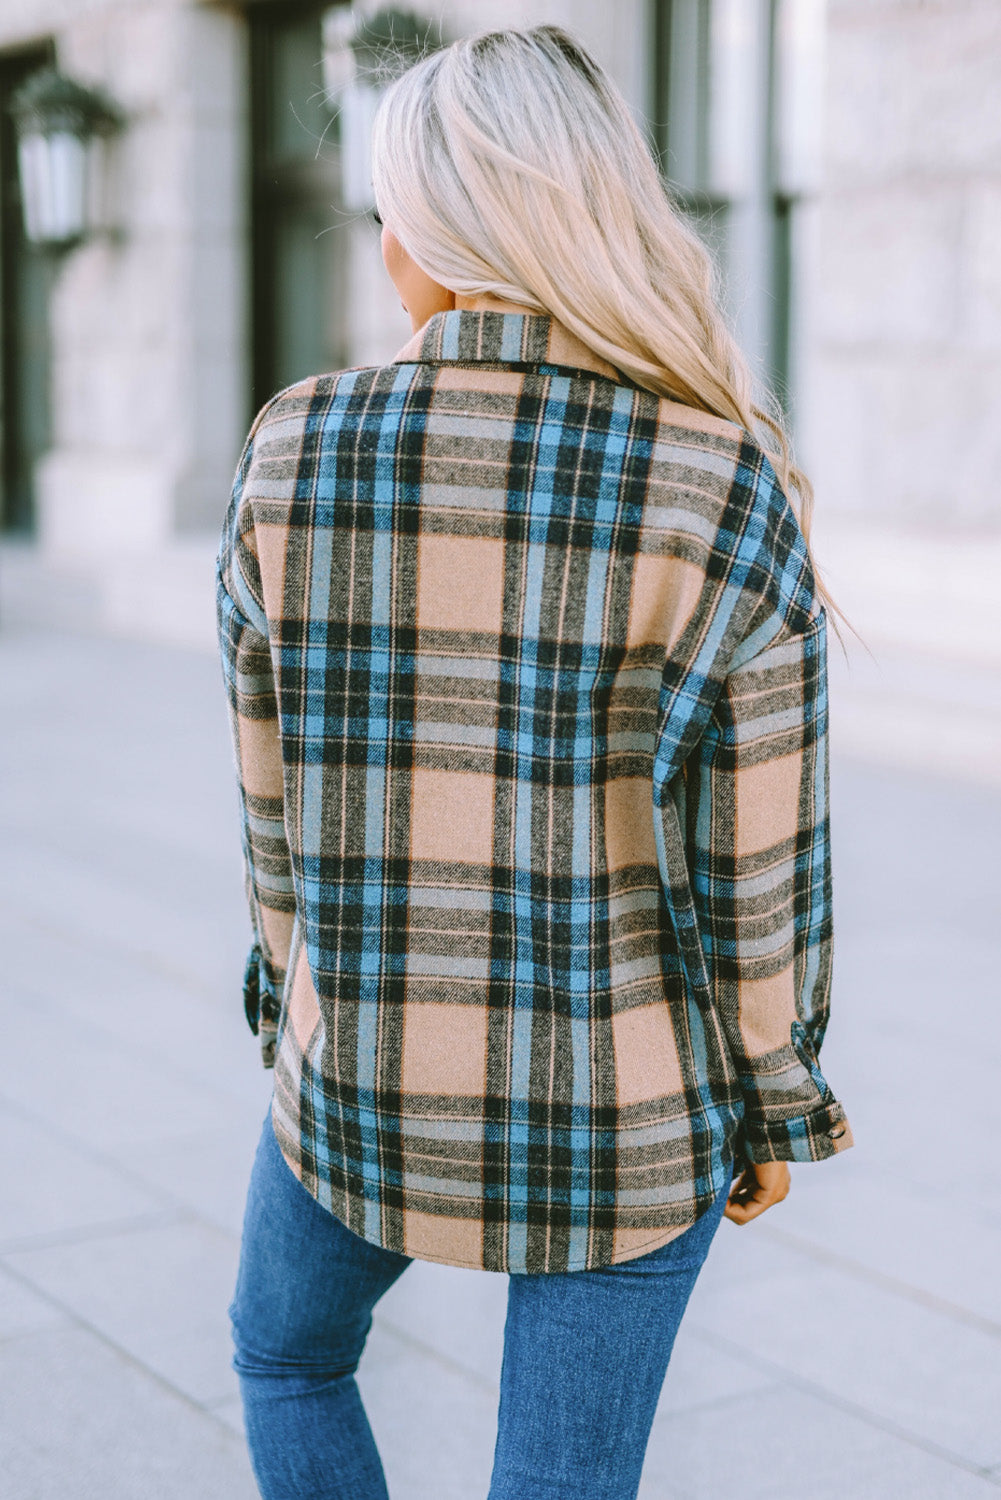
[{"x": 837, "y": 1132}]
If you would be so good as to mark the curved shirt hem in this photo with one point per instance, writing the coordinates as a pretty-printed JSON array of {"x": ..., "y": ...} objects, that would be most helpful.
[{"x": 634, "y": 1252}]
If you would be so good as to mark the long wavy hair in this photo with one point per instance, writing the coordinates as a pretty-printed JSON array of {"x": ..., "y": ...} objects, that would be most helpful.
[{"x": 509, "y": 164}]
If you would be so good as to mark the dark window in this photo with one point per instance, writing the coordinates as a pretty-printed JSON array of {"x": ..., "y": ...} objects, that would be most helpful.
[
  {"x": 300, "y": 244},
  {"x": 25, "y": 276}
]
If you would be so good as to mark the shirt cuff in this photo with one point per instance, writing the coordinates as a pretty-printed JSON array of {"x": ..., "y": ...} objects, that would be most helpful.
[
  {"x": 260, "y": 1004},
  {"x": 814, "y": 1136}
]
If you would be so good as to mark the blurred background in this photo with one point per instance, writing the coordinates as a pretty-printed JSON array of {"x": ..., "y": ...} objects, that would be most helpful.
[{"x": 185, "y": 227}]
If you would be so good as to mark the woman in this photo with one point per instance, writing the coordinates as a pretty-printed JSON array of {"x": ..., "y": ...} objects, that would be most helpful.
[{"x": 525, "y": 657}]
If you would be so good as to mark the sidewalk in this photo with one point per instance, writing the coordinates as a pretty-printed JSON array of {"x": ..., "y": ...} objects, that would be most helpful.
[{"x": 847, "y": 1347}]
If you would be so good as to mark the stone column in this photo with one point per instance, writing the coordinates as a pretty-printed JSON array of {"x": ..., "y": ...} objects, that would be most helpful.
[{"x": 149, "y": 325}]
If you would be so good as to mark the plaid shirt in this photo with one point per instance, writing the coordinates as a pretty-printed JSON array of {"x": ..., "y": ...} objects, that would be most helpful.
[{"x": 526, "y": 670}]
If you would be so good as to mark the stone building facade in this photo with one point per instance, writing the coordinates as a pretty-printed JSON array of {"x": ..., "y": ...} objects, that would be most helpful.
[
  {"x": 905, "y": 393},
  {"x": 845, "y": 156}
]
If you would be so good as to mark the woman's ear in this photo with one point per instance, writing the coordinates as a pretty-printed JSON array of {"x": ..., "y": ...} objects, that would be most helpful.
[{"x": 420, "y": 294}]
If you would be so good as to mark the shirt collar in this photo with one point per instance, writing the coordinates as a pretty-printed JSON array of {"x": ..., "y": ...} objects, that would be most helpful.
[{"x": 464, "y": 337}]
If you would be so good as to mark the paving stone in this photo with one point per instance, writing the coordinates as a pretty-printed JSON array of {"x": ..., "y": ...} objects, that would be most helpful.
[
  {"x": 154, "y": 1012},
  {"x": 49, "y": 1186},
  {"x": 230, "y": 1412},
  {"x": 435, "y": 1428},
  {"x": 159, "y": 1294},
  {"x": 920, "y": 1114},
  {"x": 741, "y": 1253},
  {"x": 896, "y": 830},
  {"x": 110, "y": 910},
  {"x": 701, "y": 1375},
  {"x": 82, "y": 1421},
  {"x": 923, "y": 1235},
  {"x": 207, "y": 1171},
  {"x": 910, "y": 1015},
  {"x": 458, "y": 1312},
  {"x": 93, "y": 1087},
  {"x": 910, "y": 1366},
  {"x": 22, "y": 1310},
  {"x": 783, "y": 1445}
]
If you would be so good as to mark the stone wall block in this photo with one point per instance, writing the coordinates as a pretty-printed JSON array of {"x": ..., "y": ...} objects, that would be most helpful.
[
  {"x": 890, "y": 266},
  {"x": 846, "y": 420},
  {"x": 143, "y": 65},
  {"x": 116, "y": 295},
  {"x": 910, "y": 440},
  {"x": 980, "y": 274},
  {"x": 23, "y": 21},
  {"x": 94, "y": 505},
  {"x": 913, "y": 90},
  {"x": 862, "y": 115},
  {"x": 215, "y": 299},
  {"x": 115, "y": 407},
  {"x": 904, "y": 351},
  {"x": 843, "y": 10},
  {"x": 147, "y": 323},
  {"x": 114, "y": 365},
  {"x": 465, "y": 17},
  {"x": 215, "y": 196},
  {"x": 151, "y": 176},
  {"x": 213, "y": 63},
  {"x": 219, "y": 417},
  {"x": 948, "y": 76}
]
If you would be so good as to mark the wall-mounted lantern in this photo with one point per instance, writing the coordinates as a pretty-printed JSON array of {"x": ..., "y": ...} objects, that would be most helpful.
[
  {"x": 61, "y": 127},
  {"x": 363, "y": 51}
]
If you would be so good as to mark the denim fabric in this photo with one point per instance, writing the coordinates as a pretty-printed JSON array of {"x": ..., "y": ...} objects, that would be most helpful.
[{"x": 585, "y": 1354}]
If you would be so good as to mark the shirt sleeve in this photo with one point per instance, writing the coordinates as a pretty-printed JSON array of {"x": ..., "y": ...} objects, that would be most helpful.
[
  {"x": 759, "y": 855},
  {"x": 255, "y": 729}
]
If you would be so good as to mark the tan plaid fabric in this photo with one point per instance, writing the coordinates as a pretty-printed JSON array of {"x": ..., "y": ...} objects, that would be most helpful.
[{"x": 528, "y": 689}]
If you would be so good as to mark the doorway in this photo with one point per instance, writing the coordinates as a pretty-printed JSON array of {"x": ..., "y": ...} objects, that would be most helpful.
[{"x": 301, "y": 244}]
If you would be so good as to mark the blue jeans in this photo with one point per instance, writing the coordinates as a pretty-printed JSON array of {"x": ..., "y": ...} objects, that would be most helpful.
[{"x": 585, "y": 1354}]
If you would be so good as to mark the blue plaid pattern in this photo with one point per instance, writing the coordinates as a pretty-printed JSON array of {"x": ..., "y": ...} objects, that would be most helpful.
[{"x": 527, "y": 685}]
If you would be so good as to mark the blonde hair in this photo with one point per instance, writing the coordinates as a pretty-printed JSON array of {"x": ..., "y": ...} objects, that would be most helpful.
[{"x": 509, "y": 164}]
